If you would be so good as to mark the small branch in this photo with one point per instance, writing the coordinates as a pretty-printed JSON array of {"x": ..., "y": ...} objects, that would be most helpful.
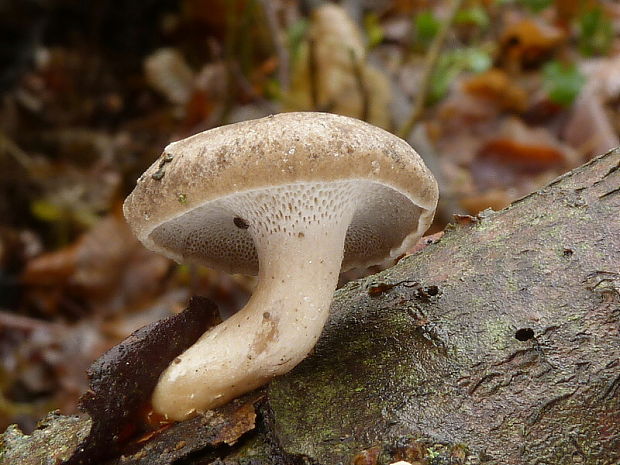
[
  {"x": 429, "y": 67},
  {"x": 278, "y": 43},
  {"x": 11, "y": 148},
  {"x": 361, "y": 86},
  {"x": 313, "y": 76},
  {"x": 244, "y": 85},
  {"x": 13, "y": 322}
]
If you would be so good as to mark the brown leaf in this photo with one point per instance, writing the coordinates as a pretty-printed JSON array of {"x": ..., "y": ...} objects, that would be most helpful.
[
  {"x": 495, "y": 199},
  {"x": 530, "y": 155},
  {"x": 367, "y": 457},
  {"x": 528, "y": 42},
  {"x": 567, "y": 10},
  {"x": 167, "y": 72},
  {"x": 495, "y": 85},
  {"x": 222, "y": 426},
  {"x": 465, "y": 220},
  {"x": 424, "y": 242},
  {"x": 589, "y": 129},
  {"x": 106, "y": 268},
  {"x": 410, "y": 450},
  {"x": 517, "y": 154},
  {"x": 331, "y": 72}
]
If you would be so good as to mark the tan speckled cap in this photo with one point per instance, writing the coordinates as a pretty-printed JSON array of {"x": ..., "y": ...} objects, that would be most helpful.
[{"x": 289, "y": 148}]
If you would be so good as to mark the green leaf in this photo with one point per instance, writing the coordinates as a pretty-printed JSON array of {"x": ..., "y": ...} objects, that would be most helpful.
[
  {"x": 46, "y": 211},
  {"x": 475, "y": 15},
  {"x": 272, "y": 91},
  {"x": 426, "y": 26},
  {"x": 374, "y": 31},
  {"x": 445, "y": 72},
  {"x": 296, "y": 34},
  {"x": 451, "y": 64},
  {"x": 477, "y": 60},
  {"x": 595, "y": 32},
  {"x": 562, "y": 82},
  {"x": 536, "y": 5}
]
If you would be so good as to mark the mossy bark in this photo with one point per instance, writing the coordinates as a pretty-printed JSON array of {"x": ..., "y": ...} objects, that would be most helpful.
[
  {"x": 516, "y": 357},
  {"x": 499, "y": 344}
]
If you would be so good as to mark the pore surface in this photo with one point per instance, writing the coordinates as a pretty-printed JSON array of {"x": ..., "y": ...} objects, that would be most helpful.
[{"x": 217, "y": 233}]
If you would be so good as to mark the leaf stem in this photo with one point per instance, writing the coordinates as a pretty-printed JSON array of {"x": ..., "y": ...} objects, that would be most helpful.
[{"x": 429, "y": 67}]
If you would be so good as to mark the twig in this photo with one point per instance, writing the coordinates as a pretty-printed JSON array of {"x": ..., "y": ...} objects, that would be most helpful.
[
  {"x": 313, "y": 75},
  {"x": 10, "y": 147},
  {"x": 361, "y": 85},
  {"x": 246, "y": 87},
  {"x": 448, "y": 202},
  {"x": 431, "y": 61},
  {"x": 278, "y": 43},
  {"x": 10, "y": 321},
  {"x": 314, "y": 78}
]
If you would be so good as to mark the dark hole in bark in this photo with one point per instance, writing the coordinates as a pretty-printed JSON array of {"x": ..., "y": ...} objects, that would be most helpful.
[
  {"x": 432, "y": 290},
  {"x": 524, "y": 334}
]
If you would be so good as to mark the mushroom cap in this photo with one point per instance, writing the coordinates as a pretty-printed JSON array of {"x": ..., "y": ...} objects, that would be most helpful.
[{"x": 173, "y": 207}]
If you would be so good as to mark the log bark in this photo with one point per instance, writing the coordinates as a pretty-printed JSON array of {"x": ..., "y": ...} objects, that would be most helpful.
[
  {"x": 516, "y": 357},
  {"x": 500, "y": 344}
]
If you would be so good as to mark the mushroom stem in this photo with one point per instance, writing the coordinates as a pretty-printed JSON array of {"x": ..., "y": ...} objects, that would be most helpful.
[{"x": 299, "y": 263}]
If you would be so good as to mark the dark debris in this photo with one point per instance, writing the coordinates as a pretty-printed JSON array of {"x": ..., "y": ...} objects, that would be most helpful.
[
  {"x": 124, "y": 377},
  {"x": 222, "y": 426}
]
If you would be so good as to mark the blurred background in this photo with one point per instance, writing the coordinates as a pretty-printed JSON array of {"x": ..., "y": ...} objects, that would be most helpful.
[{"x": 498, "y": 96}]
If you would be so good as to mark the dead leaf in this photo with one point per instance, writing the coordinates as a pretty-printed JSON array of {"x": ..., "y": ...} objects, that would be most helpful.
[
  {"x": 526, "y": 154},
  {"x": 528, "y": 42},
  {"x": 517, "y": 152},
  {"x": 567, "y": 10},
  {"x": 465, "y": 220},
  {"x": 222, "y": 426},
  {"x": 367, "y": 457},
  {"x": 331, "y": 72},
  {"x": 410, "y": 450},
  {"x": 167, "y": 72},
  {"x": 589, "y": 129},
  {"x": 496, "y": 86},
  {"x": 105, "y": 269},
  {"x": 495, "y": 199},
  {"x": 424, "y": 242}
]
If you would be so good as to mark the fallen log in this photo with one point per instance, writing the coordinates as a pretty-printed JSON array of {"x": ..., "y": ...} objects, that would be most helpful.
[
  {"x": 503, "y": 339},
  {"x": 499, "y": 344}
]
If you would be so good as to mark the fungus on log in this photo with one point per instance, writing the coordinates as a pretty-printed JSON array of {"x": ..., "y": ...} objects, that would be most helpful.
[
  {"x": 295, "y": 197},
  {"x": 514, "y": 360}
]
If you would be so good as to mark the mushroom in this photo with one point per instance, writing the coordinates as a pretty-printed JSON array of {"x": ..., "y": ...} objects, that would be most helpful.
[{"x": 296, "y": 198}]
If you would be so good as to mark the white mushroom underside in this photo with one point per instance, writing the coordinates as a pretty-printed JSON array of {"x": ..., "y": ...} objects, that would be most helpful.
[
  {"x": 298, "y": 233},
  {"x": 207, "y": 234}
]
